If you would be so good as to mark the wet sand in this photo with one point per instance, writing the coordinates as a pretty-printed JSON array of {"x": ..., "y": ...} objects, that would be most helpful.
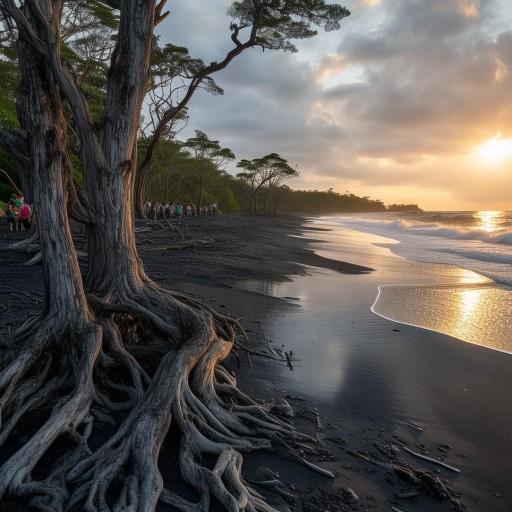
[{"x": 385, "y": 384}]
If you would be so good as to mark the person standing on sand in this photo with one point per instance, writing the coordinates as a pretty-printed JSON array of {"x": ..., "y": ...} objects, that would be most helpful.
[
  {"x": 25, "y": 214},
  {"x": 10, "y": 216}
]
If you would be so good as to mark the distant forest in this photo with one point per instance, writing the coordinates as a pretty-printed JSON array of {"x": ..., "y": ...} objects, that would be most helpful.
[
  {"x": 184, "y": 172},
  {"x": 194, "y": 172}
]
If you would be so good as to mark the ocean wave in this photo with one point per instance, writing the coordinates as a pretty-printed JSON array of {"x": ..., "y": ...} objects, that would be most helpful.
[
  {"x": 502, "y": 236},
  {"x": 485, "y": 252},
  {"x": 433, "y": 229},
  {"x": 461, "y": 218}
]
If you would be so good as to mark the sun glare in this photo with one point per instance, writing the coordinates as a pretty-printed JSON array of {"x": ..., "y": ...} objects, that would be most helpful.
[{"x": 496, "y": 150}]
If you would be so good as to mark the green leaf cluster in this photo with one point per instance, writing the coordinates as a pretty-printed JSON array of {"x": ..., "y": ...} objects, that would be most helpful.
[{"x": 278, "y": 22}]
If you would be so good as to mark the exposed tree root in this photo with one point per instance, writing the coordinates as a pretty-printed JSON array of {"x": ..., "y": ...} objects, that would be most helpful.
[
  {"x": 28, "y": 245},
  {"x": 40, "y": 386},
  {"x": 156, "y": 363}
]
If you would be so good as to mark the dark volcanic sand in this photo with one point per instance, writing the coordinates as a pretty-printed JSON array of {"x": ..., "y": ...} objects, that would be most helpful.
[{"x": 208, "y": 258}]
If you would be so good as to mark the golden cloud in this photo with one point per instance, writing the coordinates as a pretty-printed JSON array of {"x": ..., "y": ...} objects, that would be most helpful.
[
  {"x": 469, "y": 8},
  {"x": 368, "y": 3}
]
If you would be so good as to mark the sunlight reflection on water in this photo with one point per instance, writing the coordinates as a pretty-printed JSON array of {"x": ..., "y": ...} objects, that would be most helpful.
[
  {"x": 343, "y": 349},
  {"x": 479, "y": 313},
  {"x": 489, "y": 220}
]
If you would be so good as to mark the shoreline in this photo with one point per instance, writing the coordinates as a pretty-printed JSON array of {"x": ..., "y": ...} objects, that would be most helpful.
[{"x": 433, "y": 368}]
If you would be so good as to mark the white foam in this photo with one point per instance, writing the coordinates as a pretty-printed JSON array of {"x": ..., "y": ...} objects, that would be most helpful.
[{"x": 449, "y": 242}]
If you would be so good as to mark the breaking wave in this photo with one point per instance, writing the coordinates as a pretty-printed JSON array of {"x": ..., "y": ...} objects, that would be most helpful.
[{"x": 478, "y": 241}]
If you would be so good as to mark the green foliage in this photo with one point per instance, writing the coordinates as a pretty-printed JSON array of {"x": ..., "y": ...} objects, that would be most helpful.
[
  {"x": 88, "y": 29},
  {"x": 404, "y": 208},
  {"x": 322, "y": 203},
  {"x": 278, "y": 22},
  {"x": 175, "y": 179},
  {"x": 8, "y": 165},
  {"x": 225, "y": 195},
  {"x": 171, "y": 168},
  {"x": 264, "y": 176},
  {"x": 10, "y": 79},
  {"x": 170, "y": 62}
]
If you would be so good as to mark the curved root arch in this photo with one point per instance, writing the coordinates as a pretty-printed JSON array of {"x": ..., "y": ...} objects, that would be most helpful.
[{"x": 107, "y": 373}]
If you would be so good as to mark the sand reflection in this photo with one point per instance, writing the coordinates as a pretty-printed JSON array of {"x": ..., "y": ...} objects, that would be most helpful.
[{"x": 336, "y": 340}]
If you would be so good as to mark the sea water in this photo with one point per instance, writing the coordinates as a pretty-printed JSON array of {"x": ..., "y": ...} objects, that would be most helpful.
[
  {"x": 473, "y": 300},
  {"x": 345, "y": 355}
]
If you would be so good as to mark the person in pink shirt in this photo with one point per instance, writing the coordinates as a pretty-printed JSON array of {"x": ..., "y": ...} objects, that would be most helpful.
[{"x": 25, "y": 215}]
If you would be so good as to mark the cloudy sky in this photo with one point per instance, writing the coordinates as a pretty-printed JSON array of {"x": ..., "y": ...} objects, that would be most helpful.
[{"x": 410, "y": 102}]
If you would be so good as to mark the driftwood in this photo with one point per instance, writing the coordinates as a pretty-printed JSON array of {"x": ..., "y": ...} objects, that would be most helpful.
[
  {"x": 190, "y": 244},
  {"x": 430, "y": 459}
]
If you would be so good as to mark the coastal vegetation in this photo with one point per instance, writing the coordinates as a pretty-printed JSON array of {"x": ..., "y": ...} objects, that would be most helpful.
[
  {"x": 179, "y": 175},
  {"x": 91, "y": 386}
]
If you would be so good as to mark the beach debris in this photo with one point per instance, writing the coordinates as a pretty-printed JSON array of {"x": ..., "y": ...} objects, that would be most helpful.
[
  {"x": 264, "y": 473},
  {"x": 314, "y": 416},
  {"x": 405, "y": 474},
  {"x": 189, "y": 244},
  {"x": 414, "y": 425},
  {"x": 394, "y": 509},
  {"x": 421, "y": 447},
  {"x": 289, "y": 356},
  {"x": 268, "y": 483},
  {"x": 434, "y": 486},
  {"x": 256, "y": 352},
  {"x": 323, "y": 500},
  {"x": 349, "y": 495},
  {"x": 407, "y": 495},
  {"x": 291, "y": 397},
  {"x": 430, "y": 459},
  {"x": 495, "y": 493},
  {"x": 295, "y": 454},
  {"x": 420, "y": 481},
  {"x": 270, "y": 349},
  {"x": 318, "y": 469}
]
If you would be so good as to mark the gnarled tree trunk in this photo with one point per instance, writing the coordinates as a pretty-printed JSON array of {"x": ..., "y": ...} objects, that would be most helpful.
[{"x": 129, "y": 350}]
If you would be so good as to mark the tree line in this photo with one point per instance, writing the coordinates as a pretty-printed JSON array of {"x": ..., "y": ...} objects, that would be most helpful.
[{"x": 194, "y": 172}]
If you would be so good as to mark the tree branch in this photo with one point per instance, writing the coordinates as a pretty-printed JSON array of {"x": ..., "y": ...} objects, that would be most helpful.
[
  {"x": 14, "y": 142},
  {"x": 61, "y": 73}
]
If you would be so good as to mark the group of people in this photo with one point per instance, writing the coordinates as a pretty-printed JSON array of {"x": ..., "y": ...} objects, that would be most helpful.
[
  {"x": 18, "y": 213},
  {"x": 156, "y": 210}
]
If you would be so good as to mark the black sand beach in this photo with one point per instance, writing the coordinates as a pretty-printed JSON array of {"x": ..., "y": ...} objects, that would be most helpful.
[{"x": 450, "y": 401}]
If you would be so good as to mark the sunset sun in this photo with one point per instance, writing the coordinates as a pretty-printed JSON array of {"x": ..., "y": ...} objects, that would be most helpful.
[{"x": 496, "y": 151}]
